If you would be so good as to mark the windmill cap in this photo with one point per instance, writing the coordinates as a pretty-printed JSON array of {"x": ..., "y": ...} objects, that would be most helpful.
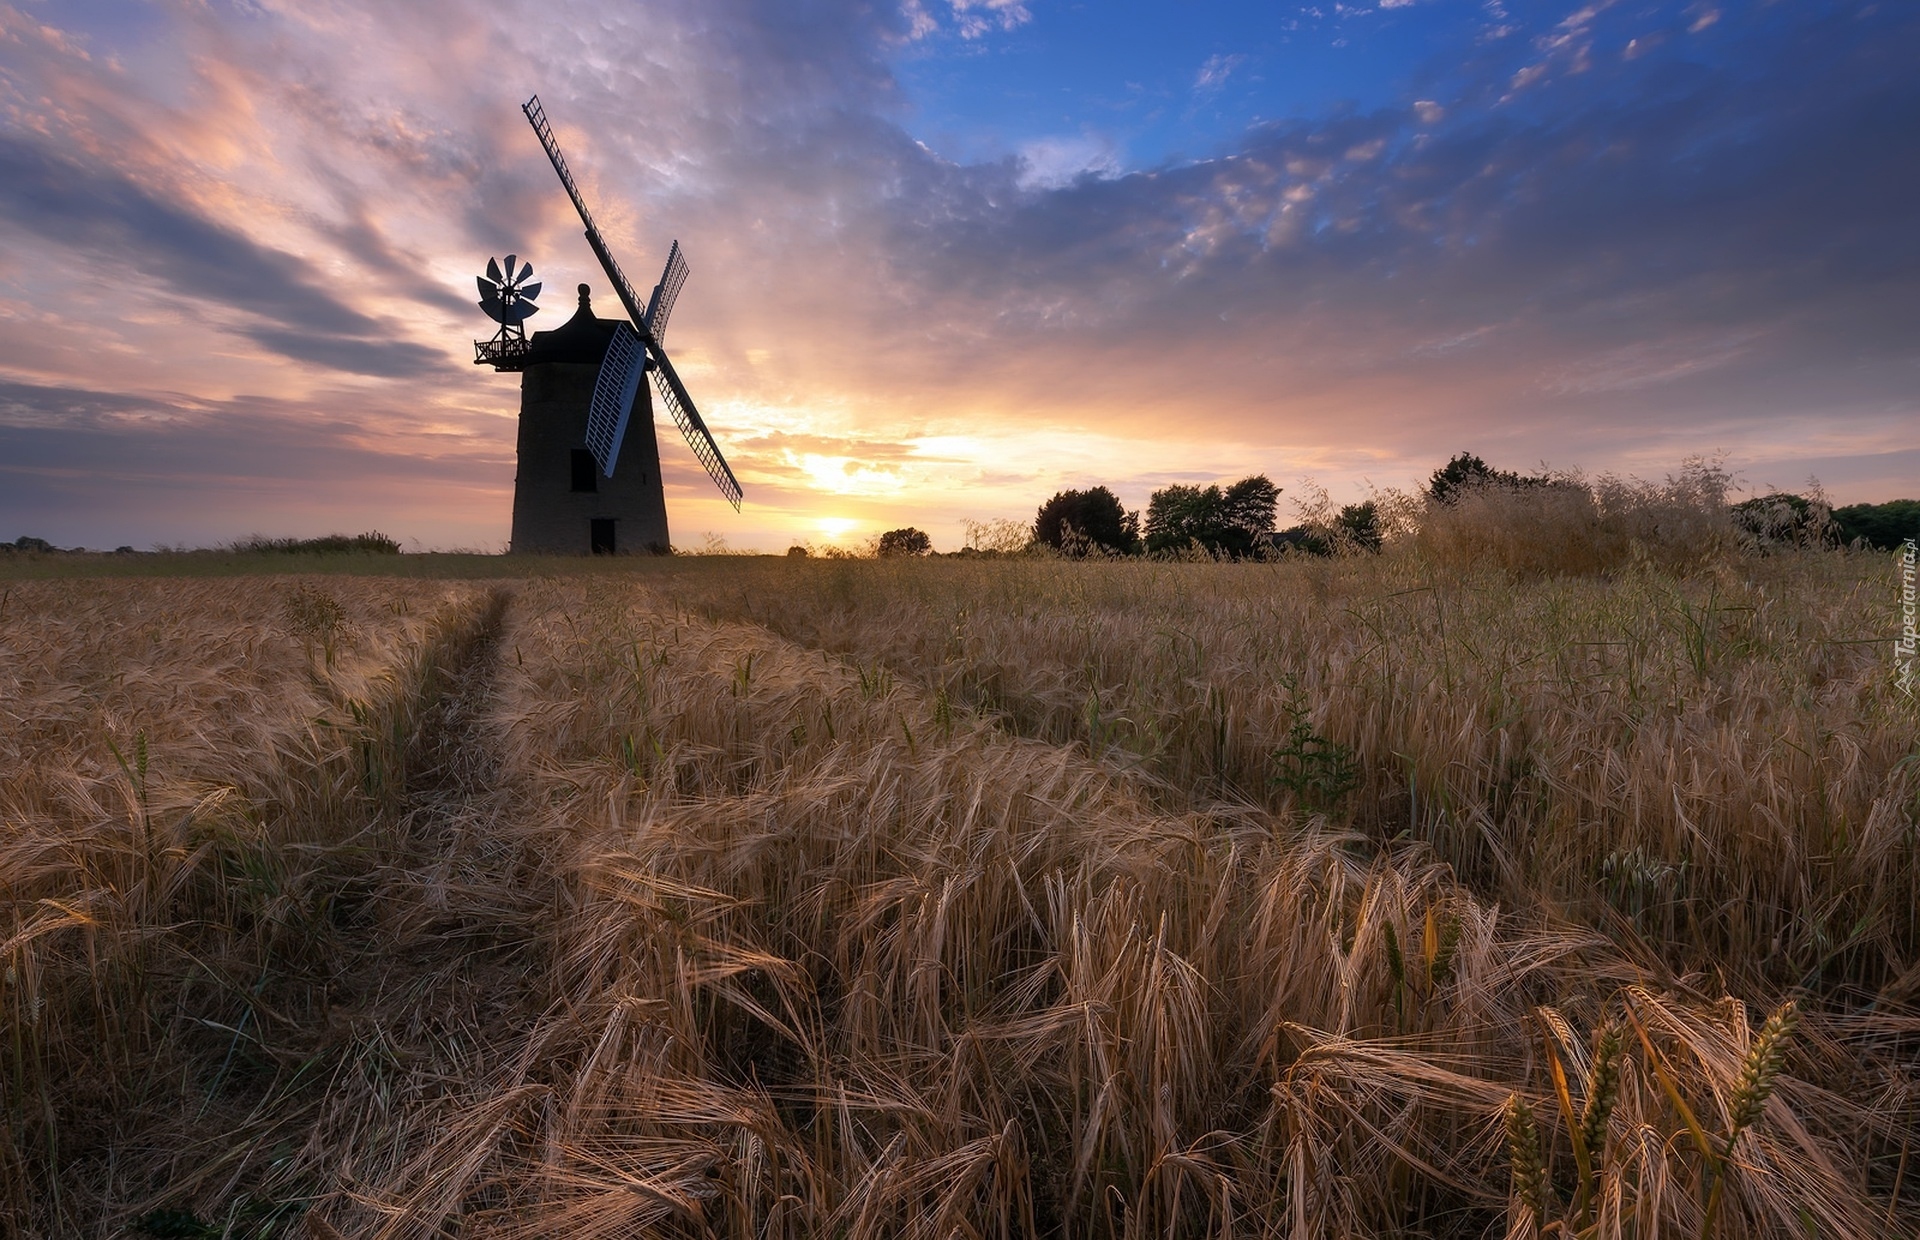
[
  {"x": 586, "y": 293},
  {"x": 581, "y": 339}
]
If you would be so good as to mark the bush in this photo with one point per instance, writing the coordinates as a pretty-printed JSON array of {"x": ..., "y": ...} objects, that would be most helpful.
[
  {"x": 1229, "y": 523},
  {"x": 1076, "y": 522},
  {"x": 371, "y": 543},
  {"x": 798, "y": 552},
  {"x": 908, "y": 541},
  {"x": 1783, "y": 519},
  {"x": 998, "y": 536},
  {"x": 1562, "y": 526},
  {"x": 1304, "y": 538}
]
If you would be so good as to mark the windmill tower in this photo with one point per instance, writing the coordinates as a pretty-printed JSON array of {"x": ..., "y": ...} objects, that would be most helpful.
[{"x": 589, "y": 464}]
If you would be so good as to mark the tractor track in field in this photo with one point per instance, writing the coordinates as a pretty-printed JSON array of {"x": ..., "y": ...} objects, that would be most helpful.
[{"x": 449, "y": 760}]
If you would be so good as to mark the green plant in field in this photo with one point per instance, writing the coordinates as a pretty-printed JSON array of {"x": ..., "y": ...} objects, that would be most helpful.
[
  {"x": 316, "y": 617},
  {"x": 1640, "y": 885},
  {"x": 136, "y": 773},
  {"x": 1316, "y": 770},
  {"x": 875, "y": 683},
  {"x": 1752, "y": 1089},
  {"x": 1420, "y": 977},
  {"x": 1586, "y": 1125},
  {"x": 249, "y": 1218},
  {"x": 1523, "y": 1154},
  {"x": 1752, "y": 1086}
]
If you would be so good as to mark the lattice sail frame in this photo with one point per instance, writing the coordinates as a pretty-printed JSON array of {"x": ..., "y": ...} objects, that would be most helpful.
[
  {"x": 613, "y": 393},
  {"x": 673, "y": 393},
  {"x": 660, "y": 306}
]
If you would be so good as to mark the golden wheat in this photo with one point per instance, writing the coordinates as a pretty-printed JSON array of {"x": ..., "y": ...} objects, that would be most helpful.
[{"x": 768, "y": 898}]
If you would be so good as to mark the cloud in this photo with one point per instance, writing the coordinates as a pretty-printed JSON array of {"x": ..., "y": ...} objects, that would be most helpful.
[
  {"x": 978, "y": 17},
  {"x": 100, "y": 468},
  {"x": 1050, "y": 163},
  {"x": 1215, "y": 71},
  {"x": 107, "y": 216}
]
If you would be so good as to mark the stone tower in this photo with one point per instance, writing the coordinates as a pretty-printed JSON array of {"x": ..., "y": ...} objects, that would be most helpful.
[{"x": 562, "y": 505}]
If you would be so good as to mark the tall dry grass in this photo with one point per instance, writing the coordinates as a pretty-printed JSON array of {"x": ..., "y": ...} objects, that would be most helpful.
[
  {"x": 1718, "y": 763},
  {"x": 1568, "y": 526},
  {"x": 771, "y": 898},
  {"x": 188, "y": 771}
]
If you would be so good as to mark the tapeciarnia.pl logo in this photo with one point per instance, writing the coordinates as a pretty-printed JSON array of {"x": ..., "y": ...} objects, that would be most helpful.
[{"x": 1904, "y": 649}]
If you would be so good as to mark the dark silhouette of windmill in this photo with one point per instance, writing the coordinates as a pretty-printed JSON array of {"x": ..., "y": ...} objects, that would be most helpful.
[{"x": 589, "y": 463}]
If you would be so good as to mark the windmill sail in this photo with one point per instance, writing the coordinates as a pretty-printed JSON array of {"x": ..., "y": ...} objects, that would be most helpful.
[
  {"x": 613, "y": 394},
  {"x": 674, "y": 394},
  {"x": 685, "y": 416},
  {"x": 665, "y": 293}
]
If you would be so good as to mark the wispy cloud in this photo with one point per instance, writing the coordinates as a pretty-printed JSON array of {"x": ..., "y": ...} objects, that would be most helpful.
[
  {"x": 977, "y": 17},
  {"x": 1050, "y": 163},
  {"x": 1215, "y": 71},
  {"x": 105, "y": 215}
]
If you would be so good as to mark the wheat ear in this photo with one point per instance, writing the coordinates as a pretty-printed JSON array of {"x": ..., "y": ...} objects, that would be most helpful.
[
  {"x": 1523, "y": 1148},
  {"x": 1759, "y": 1070},
  {"x": 1603, "y": 1090}
]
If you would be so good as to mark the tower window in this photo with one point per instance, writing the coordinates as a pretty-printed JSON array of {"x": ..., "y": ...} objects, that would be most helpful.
[{"x": 586, "y": 473}]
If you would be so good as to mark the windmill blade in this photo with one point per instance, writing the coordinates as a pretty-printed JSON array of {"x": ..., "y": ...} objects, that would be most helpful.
[
  {"x": 613, "y": 393},
  {"x": 537, "y": 117},
  {"x": 687, "y": 418},
  {"x": 509, "y": 265},
  {"x": 665, "y": 293},
  {"x": 495, "y": 308},
  {"x": 493, "y": 271},
  {"x": 672, "y": 391},
  {"x": 519, "y": 312},
  {"x": 526, "y": 270},
  {"x": 530, "y": 292},
  {"x": 488, "y": 288}
]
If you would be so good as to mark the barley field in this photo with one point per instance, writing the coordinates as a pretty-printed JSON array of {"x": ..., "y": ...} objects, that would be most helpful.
[{"x": 1365, "y": 896}]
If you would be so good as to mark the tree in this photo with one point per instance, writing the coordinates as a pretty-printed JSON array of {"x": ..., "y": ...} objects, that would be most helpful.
[
  {"x": 1247, "y": 514},
  {"x": 1231, "y": 522},
  {"x": 1076, "y": 522},
  {"x": 905, "y": 542},
  {"x": 1359, "y": 526},
  {"x": 1882, "y": 526},
  {"x": 1181, "y": 515},
  {"x": 1783, "y": 519},
  {"x": 1465, "y": 472}
]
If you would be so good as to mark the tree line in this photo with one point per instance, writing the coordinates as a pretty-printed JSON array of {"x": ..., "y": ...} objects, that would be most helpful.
[{"x": 1238, "y": 521}]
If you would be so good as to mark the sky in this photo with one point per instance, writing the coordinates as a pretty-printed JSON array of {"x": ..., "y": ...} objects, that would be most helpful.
[{"x": 950, "y": 256}]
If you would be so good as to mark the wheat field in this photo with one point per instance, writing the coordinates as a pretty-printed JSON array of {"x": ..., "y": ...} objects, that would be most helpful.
[{"x": 998, "y": 897}]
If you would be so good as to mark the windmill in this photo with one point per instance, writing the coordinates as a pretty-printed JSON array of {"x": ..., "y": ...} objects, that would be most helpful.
[
  {"x": 636, "y": 345},
  {"x": 589, "y": 464},
  {"x": 508, "y": 300}
]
